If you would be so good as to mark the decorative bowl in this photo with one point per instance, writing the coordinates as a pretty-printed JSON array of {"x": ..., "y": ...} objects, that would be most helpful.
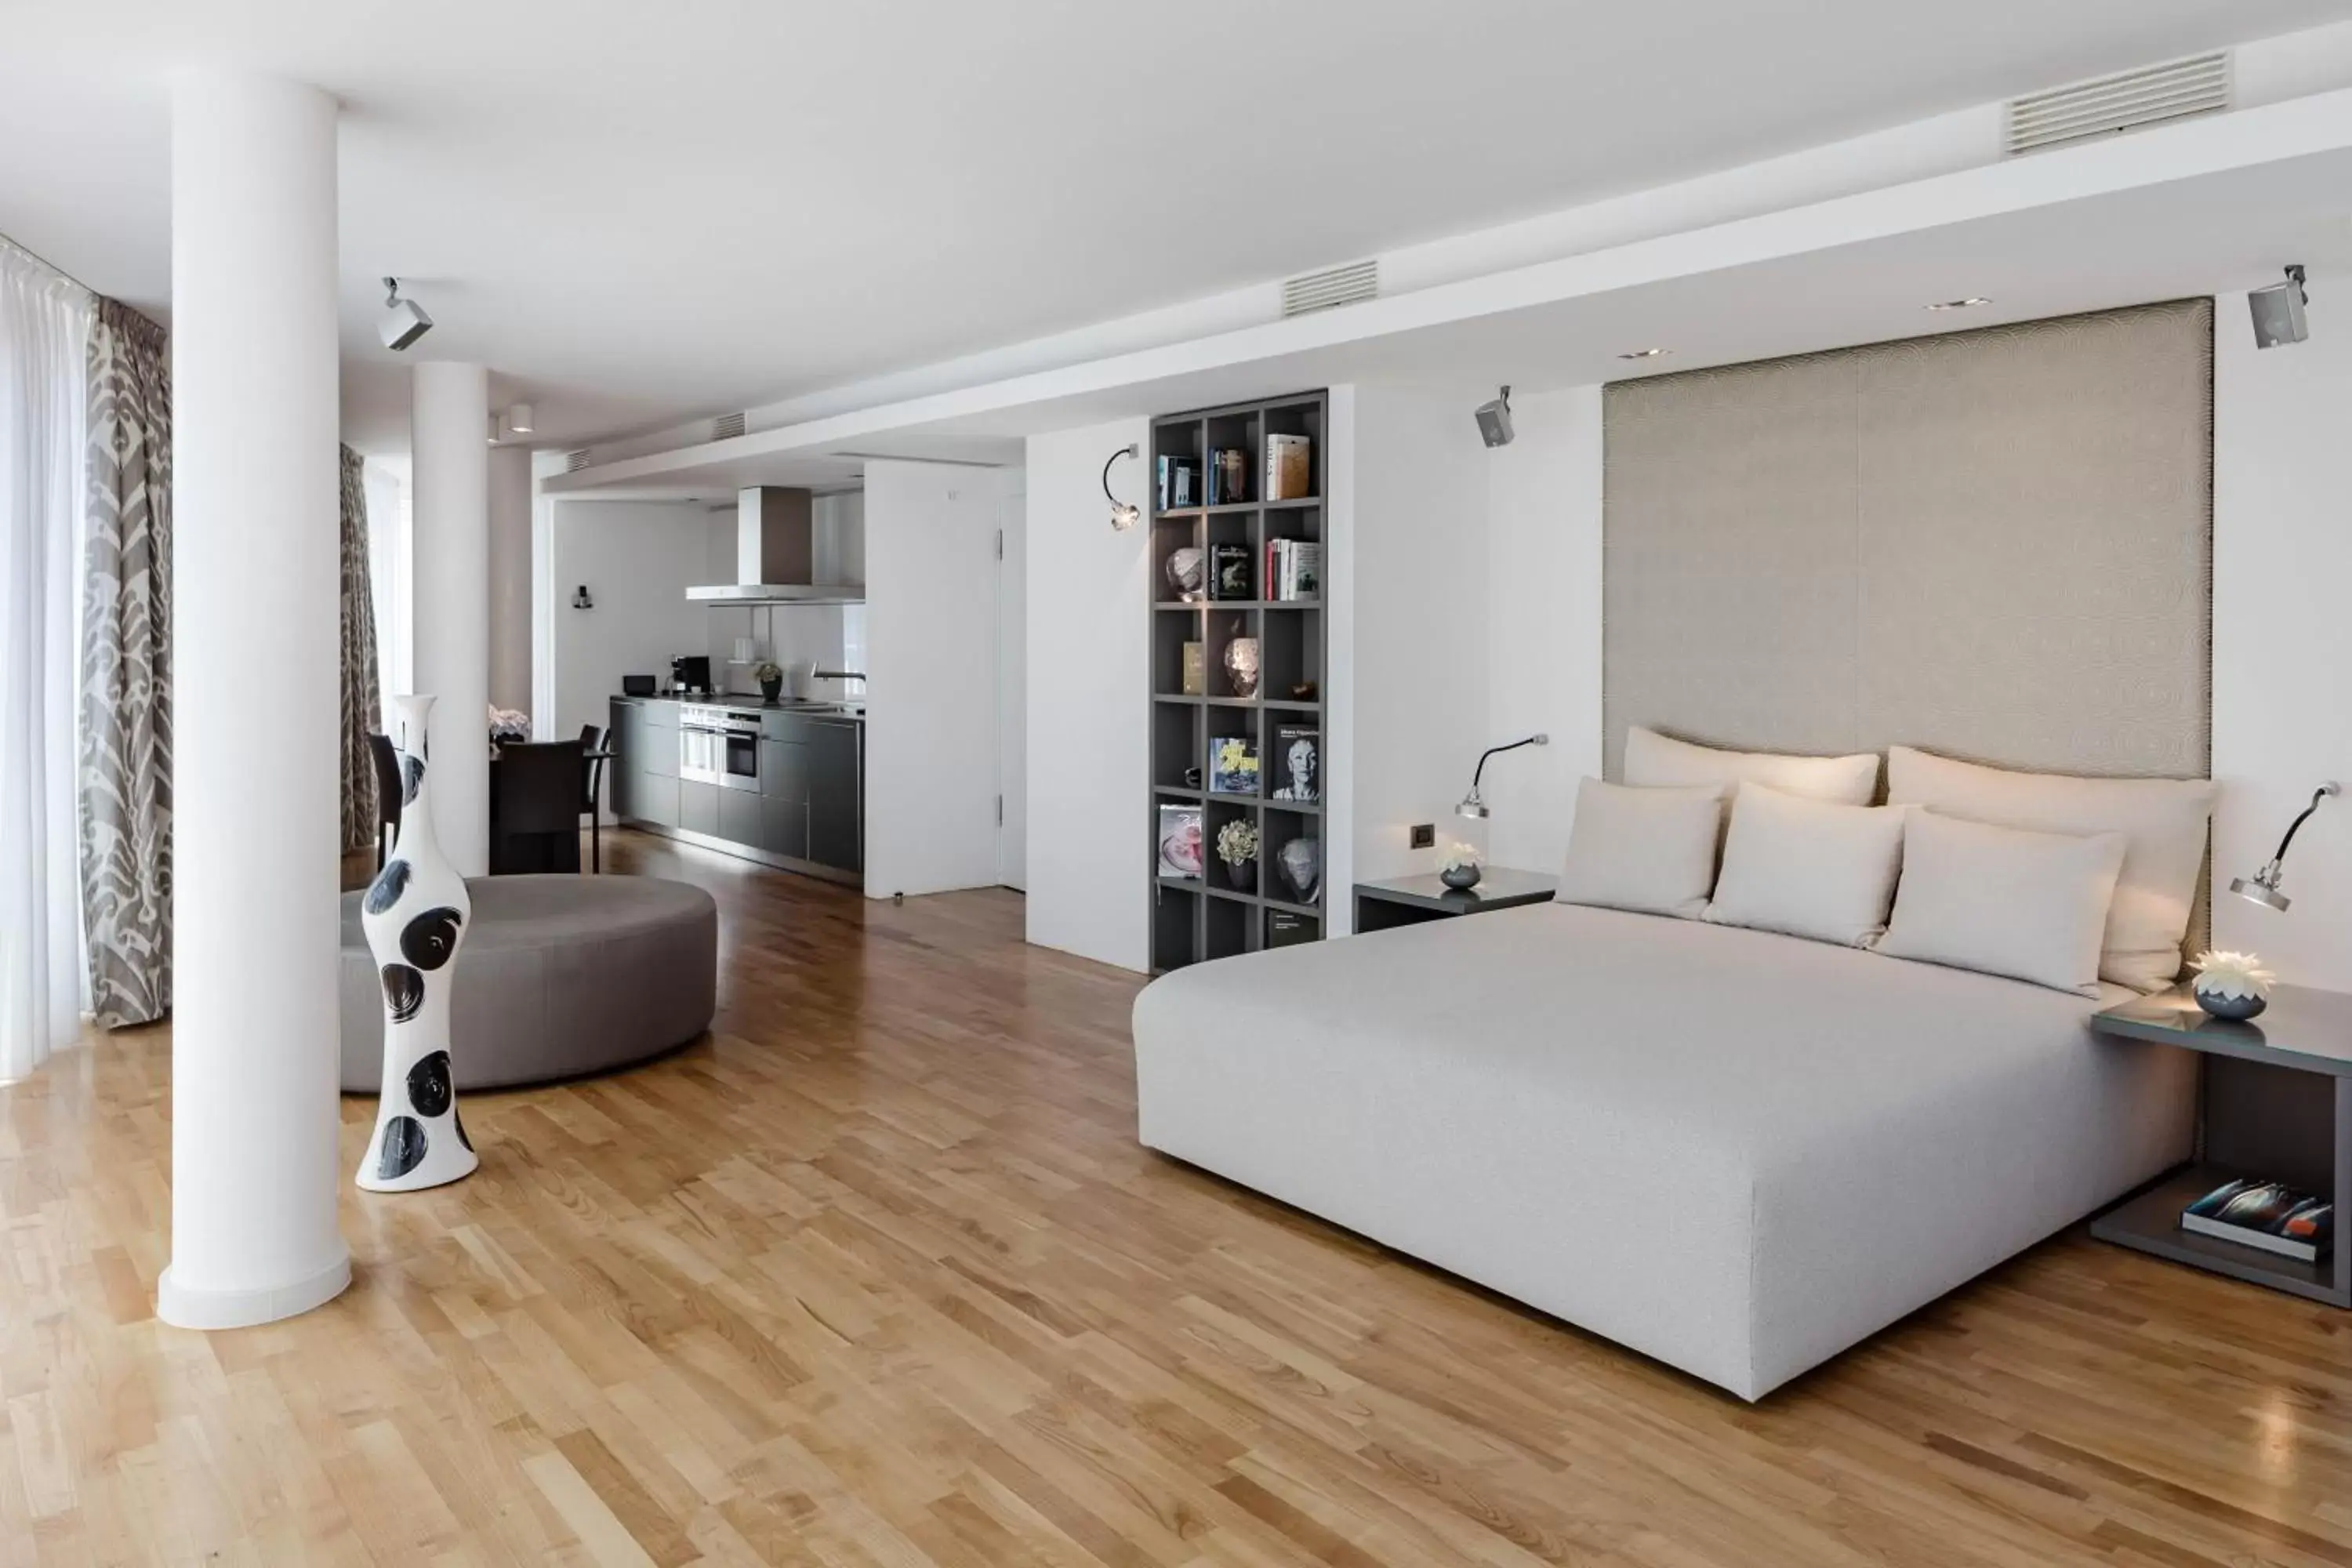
[{"x": 1461, "y": 878}]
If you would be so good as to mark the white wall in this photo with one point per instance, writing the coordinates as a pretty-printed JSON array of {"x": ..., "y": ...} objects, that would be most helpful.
[
  {"x": 1089, "y": 669},
  {"x": 930, "y": 733},
  {"x": 1012, "y": 683},
  {"x": 510, "y": 576},
  {"x": 2282, "y": 631},
  {"x": 637, "y": 559},
  {"x": 1543, "y": 623},
  {"x": 1416, "y": 582}
]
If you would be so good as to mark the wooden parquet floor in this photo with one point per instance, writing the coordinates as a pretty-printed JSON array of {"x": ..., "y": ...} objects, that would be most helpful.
[{"x": 877, "y": 1274}]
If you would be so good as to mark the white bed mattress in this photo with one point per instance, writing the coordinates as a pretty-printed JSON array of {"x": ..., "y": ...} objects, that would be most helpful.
[{"x": 1735, "y": 1152}]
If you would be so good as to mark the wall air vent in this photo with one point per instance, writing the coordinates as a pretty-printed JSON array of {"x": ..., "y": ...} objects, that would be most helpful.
[
  {"x": 727, "y": 426},
  {"x": 2111, "y": 105},
  {"x": 575, "y": 461},
  {"x": 1335, "y": 285}
]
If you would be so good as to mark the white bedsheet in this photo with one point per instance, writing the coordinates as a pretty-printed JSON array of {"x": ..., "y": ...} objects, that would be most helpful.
[{"x": 1735, "y": 1151}]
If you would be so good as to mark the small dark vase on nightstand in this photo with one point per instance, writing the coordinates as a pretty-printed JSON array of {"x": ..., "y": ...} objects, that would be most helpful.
[{"x": 1461, "y": 878}]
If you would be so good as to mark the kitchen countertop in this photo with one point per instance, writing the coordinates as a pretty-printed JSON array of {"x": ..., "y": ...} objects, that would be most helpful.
[{"x": 757, "y": 705}]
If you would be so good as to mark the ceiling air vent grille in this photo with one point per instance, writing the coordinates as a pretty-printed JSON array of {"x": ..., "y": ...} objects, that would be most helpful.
[
  {"x": 2113, "y": 104},
  {"x": 1337, "y": 285},
  {"x": 727, "y": 426},
  {"x": 575, "y": 461}
]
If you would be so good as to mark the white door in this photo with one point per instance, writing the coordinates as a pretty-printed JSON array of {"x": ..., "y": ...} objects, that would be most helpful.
[{"x": 1013, "y": 686}]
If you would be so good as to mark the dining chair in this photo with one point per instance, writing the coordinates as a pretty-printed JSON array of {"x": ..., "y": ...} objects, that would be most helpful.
[
  {"x": 387, "y": 795},
  {"x": 593, "y": 756},
  {"x": 538, "y": 801}
]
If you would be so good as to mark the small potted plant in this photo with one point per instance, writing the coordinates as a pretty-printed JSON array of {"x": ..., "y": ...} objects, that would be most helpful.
[
  {"x": 2231, "y": 984},
  {"x": 1237, "y": 847},
  {"x": 1458, "y": 866},
  {"x": 771, "y": 677}
]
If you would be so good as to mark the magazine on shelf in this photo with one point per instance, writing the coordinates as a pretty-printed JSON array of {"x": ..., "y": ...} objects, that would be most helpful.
[
  {"x": 2271, "y": 1215},
  {"x": 1298, "y": 762},
  {"x": 1179, "y": 841},
  {"x": 1229, "y": 572},
  {"x": 1233, "y": 765},
  {"x": 1284, "y": 929}
]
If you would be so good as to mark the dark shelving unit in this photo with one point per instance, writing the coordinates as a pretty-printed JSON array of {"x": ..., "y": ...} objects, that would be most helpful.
[{"x": 1192, "y": 921}]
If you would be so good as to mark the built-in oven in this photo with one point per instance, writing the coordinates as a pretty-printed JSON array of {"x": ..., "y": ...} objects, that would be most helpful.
[{"x": 719, "y": 746}]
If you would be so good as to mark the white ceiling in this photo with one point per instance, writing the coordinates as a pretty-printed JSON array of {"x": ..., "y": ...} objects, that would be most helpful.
[{"x": 637, "y": 213}]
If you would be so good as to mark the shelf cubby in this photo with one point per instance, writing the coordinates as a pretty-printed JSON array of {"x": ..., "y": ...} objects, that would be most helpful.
[{"x": 1194, "y": 921}]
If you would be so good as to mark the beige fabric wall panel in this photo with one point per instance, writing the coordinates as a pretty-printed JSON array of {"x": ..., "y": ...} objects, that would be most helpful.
[{"x": 1996, "y": 544}]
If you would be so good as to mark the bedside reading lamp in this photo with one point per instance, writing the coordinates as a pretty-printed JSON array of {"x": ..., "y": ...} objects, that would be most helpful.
[
  {"x": 2263, "y": 886},
  {"x": 1473, "y": 805}
]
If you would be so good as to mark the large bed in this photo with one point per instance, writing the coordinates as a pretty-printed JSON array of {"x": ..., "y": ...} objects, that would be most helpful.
[{"x": 1735, "y": 1151}]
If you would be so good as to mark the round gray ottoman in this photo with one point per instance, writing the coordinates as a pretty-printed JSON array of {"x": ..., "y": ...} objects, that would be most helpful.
[{"x": 560, "y": 976}]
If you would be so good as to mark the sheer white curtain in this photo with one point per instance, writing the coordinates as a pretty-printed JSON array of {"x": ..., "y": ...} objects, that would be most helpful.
[{"x": 44, "y": 332}]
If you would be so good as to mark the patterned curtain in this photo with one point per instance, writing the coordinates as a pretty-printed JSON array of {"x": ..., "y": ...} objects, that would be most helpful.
[
  {"x": 126, "y": 729},
  {"x": 359, "y": 712}
]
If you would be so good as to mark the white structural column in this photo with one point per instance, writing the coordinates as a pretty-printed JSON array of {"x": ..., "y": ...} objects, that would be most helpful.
[
  {"x": 256, "y": 567},
  {"x": 510, "y": 628},
  {"x": 449, "y": 411}
]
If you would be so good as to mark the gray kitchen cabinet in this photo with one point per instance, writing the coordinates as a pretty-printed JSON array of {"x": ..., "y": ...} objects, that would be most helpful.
[
  {"x": 784, "y": 827},
  {"x": 653, "y": 798},
  {"x": 783, "y": 769},
  {"x": 837, "y": 825},
  {"x": 697, "y": 807},
  {"x": 620, "y": 793},
  {"x": 738, "y": 817}
]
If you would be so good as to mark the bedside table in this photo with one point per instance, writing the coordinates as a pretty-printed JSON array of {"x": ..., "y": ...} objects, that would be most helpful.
[
  {"x": 2276, "y": 1103},
  {"x": 1411, "y": 900}
]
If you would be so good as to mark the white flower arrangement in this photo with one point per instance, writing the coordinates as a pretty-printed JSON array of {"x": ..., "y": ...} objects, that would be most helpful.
[
  {"x": 1458, "y": 855},
  {"x": 1237, "y": 842},
  {"x": 2234, "y": 975}
]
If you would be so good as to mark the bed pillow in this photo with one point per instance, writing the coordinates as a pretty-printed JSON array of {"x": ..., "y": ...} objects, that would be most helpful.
[
  {"x": 2163, "y": 822},
  {"x": 1808, "y": 867},
  {"x": 1652, "y": 760},
  {"x": 2031, "y": 906},
  {"x": 1648, "y": 850}
]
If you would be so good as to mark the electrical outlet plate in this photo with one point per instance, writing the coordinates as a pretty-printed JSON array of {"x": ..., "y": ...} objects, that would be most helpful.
[{"x": 1425, "y": 835}]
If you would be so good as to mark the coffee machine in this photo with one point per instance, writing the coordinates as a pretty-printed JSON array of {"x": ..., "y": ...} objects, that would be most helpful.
[{"x": 690, "y": 674}]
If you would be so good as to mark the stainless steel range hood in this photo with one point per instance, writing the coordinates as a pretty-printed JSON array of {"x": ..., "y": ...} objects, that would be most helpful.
[{"x": 775, "y": 555}]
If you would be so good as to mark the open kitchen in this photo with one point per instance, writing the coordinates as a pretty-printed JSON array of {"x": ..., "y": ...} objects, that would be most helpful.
[{"x": 731, "y": 638}]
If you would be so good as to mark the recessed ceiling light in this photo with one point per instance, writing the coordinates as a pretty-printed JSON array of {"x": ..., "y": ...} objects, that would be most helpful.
[
  {"x": 1971, "y": 303},
  {"x": 1645, "y": 353}
]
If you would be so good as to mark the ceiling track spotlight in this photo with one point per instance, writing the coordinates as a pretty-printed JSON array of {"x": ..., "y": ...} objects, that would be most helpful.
[
  {"x": 1645, "y": 353},
  {"x": 403, "y": 321},
  {"x": 1124, "y": 515},
  {"x": 1971, "y": 303}
]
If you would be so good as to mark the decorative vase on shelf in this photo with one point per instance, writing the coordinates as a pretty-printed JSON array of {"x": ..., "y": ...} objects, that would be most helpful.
[
  {"x": 1302, "y": 867},
  {"x": 414, "y": 915},
  {"x": 1242, "y": 873},
  {"x": 2232, "y": 985},
  {"x": 1241, "y": 666}
]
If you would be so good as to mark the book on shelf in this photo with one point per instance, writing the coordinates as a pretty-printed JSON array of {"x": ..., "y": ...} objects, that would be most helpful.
[
  {"x": 1228, "y": 475},
  {"x": 1179, "y": 841},
  {"x": 1293, "y": 569},
  {"x": 1298, "y": 762},
  {"x": 2271, "y": 1215},
  {"x": 1284, "y": 929},
  {"x": 1233, "y": 765},
  {"x": 1229, "y": 572},
  {"x": 1180, "y": 482},
  {"x": 1289, "y": 467}
]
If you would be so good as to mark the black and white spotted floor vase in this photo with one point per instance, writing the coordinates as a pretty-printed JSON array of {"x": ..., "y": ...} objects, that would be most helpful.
[{"x": 414, "y": 915}]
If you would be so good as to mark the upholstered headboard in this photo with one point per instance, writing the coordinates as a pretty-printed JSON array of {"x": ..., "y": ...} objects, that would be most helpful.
[{"x": 1995, "y": 544}]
